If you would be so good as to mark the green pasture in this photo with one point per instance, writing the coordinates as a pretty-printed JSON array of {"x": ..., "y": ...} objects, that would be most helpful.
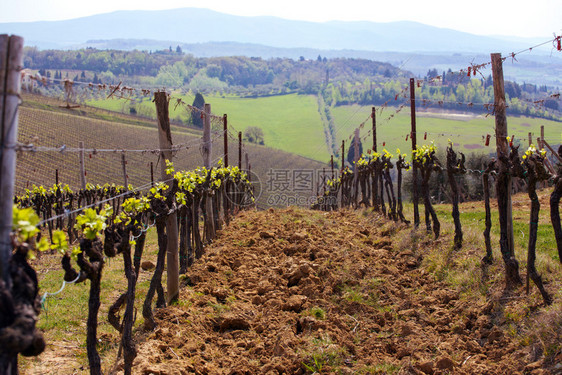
[
  {"x": 289, "y": 122},
  {"x": 466, "y": 132},
  {"x": 292, "y": 123}
]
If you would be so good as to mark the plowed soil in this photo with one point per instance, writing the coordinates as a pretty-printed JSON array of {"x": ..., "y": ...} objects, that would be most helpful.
[{"x": 294, "y": 292}]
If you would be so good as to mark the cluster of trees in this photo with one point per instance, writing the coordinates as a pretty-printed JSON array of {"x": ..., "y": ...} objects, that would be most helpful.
[
  {"x": 451, "y": 92},
  {"x": 90, "y": 59},
  {"x": 254, "y": 134},
  {"x": 173, "y": 67}
]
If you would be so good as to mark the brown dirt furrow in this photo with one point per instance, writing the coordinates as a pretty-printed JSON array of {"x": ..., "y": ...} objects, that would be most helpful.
[{"x": 293, "y": 292}]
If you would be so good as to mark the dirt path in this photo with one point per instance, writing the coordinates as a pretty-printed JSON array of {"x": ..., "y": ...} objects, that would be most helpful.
[{"x": 293, "y": 292}]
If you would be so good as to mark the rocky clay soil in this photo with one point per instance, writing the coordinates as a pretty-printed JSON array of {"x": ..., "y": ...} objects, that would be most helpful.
[{"x": 294, "y": 292}]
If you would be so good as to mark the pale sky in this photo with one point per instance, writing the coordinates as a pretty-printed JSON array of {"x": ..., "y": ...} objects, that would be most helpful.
[{"x": 522, "y": 18}]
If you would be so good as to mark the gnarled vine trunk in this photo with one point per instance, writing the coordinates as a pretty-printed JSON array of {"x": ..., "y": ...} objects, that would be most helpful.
[
  {"x": 455, "y": 167},
  {"x": 533, "y": 175},
  {"x": 512, "y": 277},
  {"x": 488, "y": 258},
  {"x": 19, "y": 308}
]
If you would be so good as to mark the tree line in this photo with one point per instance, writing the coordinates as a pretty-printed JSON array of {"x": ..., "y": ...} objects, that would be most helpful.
[
  {"x": 340, "y": 81},
  {"x": 178, "y": 69}
]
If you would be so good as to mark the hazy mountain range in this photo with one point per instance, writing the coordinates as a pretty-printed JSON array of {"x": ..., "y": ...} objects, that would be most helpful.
[{"x": 204, "y": 32}]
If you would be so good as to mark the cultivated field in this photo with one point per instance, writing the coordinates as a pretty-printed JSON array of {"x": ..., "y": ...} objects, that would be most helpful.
[
  {"x": 43, "y": 123},
  {"x": 299, "y": 291}
]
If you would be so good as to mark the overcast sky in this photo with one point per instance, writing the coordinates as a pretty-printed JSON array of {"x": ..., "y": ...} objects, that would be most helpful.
[{"x": 524, "y": 18}]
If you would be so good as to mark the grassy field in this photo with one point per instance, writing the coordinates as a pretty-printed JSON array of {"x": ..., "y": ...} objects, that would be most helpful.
[
  {"x": 63, "y": 318},
  {"x": 289, "y": 122},
  {"x": 466, "y": 131},
  {"x": 292, "y": 123}
]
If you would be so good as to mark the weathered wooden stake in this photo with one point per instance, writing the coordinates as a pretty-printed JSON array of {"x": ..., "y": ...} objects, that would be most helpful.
[
  {"x": 414, "y": 146},
  {"x": 553, "y": 152},
  {"x": 82, "y": 166},
  {"x": 226, "y": 203},
  {"x": 240, "y": 150},
  {"x": 151, "y": 174},
  {"x": 165, "y": 141},
  {"x": 225, "y": 135},
  {"x": 207, "y": 148},
  {"x": 342, "y": 154},
  {"x": 124, "y": 166},
  {"x": 374, "y": 116},
  {"x": 355, "y": 190},
  {"x": 547, "y": 162},
  {"x": 11, "y": 62}
]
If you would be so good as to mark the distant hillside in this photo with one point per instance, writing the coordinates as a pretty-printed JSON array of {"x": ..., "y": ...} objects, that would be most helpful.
[
  {"x": 194, "y": 25},
  {"x": 413, "y": 46},
  {"x": 536, "y": 68}
]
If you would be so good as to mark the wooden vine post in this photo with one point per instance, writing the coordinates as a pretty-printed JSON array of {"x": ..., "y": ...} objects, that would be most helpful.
[
  {"x": 225, "y": 135},
  {"x": 82, "y": 166},
  {"x": 11, "y": 63},
  {"x": 503, "y": 181},
  {"x": 11, "y": 60},
  {"x": 341, "y": 172},
  {"x": 124, "y": 167},
  {"x": 374, "y": 188},
  {"x": 414, "y": 146},
  {"x": 206, "y": 146},
  {"x": 165, "y": 141},
  {"x": 207, "y": 150},
  {"x": 226, "y": 203},
  {"x": 240, "y": 150},
  {"x": 355, "y": 190}
]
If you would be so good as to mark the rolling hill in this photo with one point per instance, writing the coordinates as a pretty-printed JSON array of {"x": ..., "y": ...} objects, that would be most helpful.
[
  {"x": 43, "y": 123},
  {"x": 412, "y": 46},
  {"x": 191, "y": 25}
]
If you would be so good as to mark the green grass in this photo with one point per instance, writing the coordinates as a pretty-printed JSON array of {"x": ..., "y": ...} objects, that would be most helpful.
[
  {"x": 316, "y": 312},
  {"x": 475, "y": 217},
  {"x": 63, "y": 316},
  {"x": 289, "y": 122},
  {"x": 466, "y": 134},
  {"x": 321, "y": 353},
  {"x": 380, "y": 369},
  {"x": 292, "y": 123}
]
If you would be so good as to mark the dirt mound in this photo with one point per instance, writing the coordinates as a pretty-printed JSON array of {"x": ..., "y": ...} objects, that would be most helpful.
[{"x": 293, "y": 292}]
